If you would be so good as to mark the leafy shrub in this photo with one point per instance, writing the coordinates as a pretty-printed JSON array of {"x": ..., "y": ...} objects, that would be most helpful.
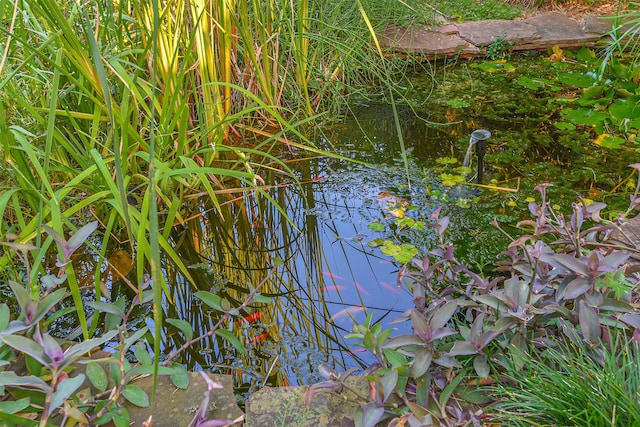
[
  {"x": 565, "y": 277},
  {"x": 50, "y": 387}
]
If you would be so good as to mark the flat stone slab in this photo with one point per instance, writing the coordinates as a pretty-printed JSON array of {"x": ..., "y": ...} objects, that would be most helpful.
[
  {"x": 483, "y": 33},
  {"x": 538, "y": 32},
  {"x": 557, "y": 29},
  {"x": 176, "y": 407},
  {"x": 425, "y": 40}
]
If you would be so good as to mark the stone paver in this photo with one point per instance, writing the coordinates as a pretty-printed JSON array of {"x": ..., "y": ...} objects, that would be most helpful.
[
  {"x": 468, "y": 39},
  {"x": 558, "y": 29},
  {"x": 427, "y": 40},
  {"x": 483, "y": 33}
]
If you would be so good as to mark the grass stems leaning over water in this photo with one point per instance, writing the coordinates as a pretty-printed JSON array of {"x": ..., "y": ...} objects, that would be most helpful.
[{"x": 574, "y": 385}]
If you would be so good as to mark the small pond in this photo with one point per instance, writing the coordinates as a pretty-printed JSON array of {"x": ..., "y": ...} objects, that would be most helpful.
[{"x": 330, "y": 276}]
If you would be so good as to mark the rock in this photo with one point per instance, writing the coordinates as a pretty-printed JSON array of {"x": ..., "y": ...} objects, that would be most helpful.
[
  {"x": 559, "y": 30},
  {"x": 483, "y": 33},
  {"x": 429, "y": 41},
  {"x": 271, "y": 407},
  {"x": 539, "y": 32},
  {"x": 175, "y": 407}
]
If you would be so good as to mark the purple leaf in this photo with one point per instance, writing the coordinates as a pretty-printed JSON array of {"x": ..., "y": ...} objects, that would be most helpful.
[
  {"x": 420, "y": 325},
  {"x": 462, "y": 348},
  {"x": 59, "y": 239},
  {"x": 80, "y": 236},
  {"x": 371, "y": 414},
  {"x": 593, "y": 262},
  {"x": 441, "y": 333},
  {"x": 421, "y": 362},
  {"x": 52, "y": 349},
  {"x": 615, "y": 259},
  {"x": 593, "y": 210},
  {"x": 576, "y": 288},
  {"x": 577, "y": 218},
  {"x": 388, "y": 383},
  {"x": 631, "y": 319},
  {"x": 565, "y": 262},
  {"x": 326, "y": 371},
  {"x": 442, "y": 315},
  {"x": 404, "y": 340},
  {"x": 589, "y": 322}
]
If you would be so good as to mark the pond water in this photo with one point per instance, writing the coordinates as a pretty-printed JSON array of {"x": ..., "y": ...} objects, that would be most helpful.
[{"x": 329, "y": 276}]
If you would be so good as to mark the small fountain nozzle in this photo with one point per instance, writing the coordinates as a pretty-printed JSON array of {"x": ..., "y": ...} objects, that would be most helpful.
[{"x": 479, "y": 138}]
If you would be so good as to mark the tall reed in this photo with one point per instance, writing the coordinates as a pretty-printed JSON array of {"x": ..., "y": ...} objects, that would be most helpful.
[{"x": 113, "y": 110}]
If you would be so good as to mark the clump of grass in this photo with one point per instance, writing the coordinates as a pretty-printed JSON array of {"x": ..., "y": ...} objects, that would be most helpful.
[{"x": 574, "y": 385}]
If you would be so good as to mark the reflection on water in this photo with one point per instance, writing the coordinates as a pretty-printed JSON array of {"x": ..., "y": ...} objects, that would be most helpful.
[{"x": 329, "y": 279}]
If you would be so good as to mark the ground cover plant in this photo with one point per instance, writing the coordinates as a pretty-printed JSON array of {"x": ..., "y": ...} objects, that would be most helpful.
[{"x": 573, "y": 384}]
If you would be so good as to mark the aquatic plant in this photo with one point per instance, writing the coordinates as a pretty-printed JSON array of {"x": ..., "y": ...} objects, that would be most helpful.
[{"x": 567, "y": 277}]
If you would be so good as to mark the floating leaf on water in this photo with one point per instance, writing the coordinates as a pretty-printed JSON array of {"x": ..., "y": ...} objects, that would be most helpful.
[
  {"x": 565, "y": 126},
  {"x": 496, "y": 66},
  {"x": 609, "y": 141},
  {"x": 530, "y": 83}
]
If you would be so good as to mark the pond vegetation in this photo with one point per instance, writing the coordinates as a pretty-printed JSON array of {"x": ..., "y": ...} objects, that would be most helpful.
[{"x": 180, "y": 169}]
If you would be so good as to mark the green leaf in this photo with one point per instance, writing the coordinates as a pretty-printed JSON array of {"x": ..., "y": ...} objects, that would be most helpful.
[
  {"x": 112, "y": 321},
  {"x": 27, "y": 346},
  {"x": 259, "y": 298},
  {"x": 11, "y": 407},
  {"x": 395, "y": 358},
  {"x": 609, "y": 141},
  {"x": 46, "y": 303},
  {"x": 481, "y": 366},
  {"x": 448, "y": 390},
  {"x": 496, "y": 66},
  {"x": 15, "y": 420},
  {"x": 97, "y": 376},
  {"x": 140, "y": 350},
  {"x": 107, "y": 308},
  {"x": 10, "y": 379},
  {"x": 180, "y": 377},
  {"x": 213, "y": 301},
  {"x": 65, "y": 389},
  {"x": 120, "y": 417},
  {"x": 135, "y": 395},
  {"x": 184, "y": 326},
  {"x": 232, "y": 339},
  {"x": 577, "y": 79},
  {"x": 4, "y": 316},
  {"x": 529, "y": 83},
  {"x": 565, "y": 126},
  {"x": 376, "y": 226}
]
